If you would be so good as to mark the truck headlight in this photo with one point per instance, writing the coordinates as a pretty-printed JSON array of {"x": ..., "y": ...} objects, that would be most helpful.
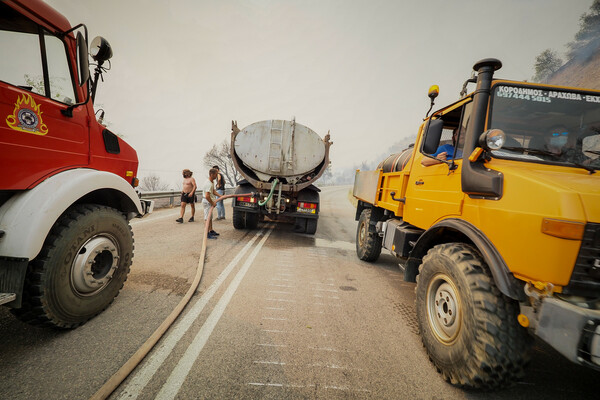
[{"x": 492, "y": 139}]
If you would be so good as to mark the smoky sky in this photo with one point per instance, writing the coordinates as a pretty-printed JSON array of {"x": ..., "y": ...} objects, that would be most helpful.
[{"x": 183, "y": 69}]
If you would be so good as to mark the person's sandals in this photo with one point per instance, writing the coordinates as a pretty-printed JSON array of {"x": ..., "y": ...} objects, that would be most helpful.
[
  {"x": 213, "y": 233},
  {"x": 211, "y": 236},
  {"x": 191, "y": 219},
  {"x": 180, "y": 220}
]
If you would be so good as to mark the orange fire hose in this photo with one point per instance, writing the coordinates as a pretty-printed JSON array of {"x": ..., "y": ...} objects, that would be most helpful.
[{"x": 118, "y": 377}]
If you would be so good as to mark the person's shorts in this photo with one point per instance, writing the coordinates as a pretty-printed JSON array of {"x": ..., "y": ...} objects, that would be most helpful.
[
  {"x": 185, "y": 198},
  {"x": 206, "y": 206}
]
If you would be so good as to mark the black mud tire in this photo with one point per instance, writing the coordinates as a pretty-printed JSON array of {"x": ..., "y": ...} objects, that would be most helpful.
[
  {"x": 368, "y": 241},
  {"x": 239, "y": 220},
  {"x": 468, "y": 327},
  {"x": 311, "y": 225},
  {"x": 252, "y": 220},
  {"x": 86, "y": 238}
]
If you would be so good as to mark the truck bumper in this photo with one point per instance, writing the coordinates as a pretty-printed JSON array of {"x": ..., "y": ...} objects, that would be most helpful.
[{"x": 572, "y": 330}]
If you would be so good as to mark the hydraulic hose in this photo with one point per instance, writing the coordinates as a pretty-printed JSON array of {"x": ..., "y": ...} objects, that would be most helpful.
[
  {"x": 118, "y": 377},
  {"x": 262, "y": 203}
]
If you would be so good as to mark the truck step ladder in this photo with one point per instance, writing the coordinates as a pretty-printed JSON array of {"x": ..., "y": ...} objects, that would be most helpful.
[
  {"x": 275, "y": 148},
  {"x": 7, "y": 297}
]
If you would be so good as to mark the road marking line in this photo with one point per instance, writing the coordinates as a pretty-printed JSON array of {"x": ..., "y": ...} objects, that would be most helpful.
[
  {"x": 275, "y": 308},
  {"x": 285, "y": 300},
  {"x": 279, "y": 291},
  {"x": 185, "y": 364},
  {"x": 281, "y": 279},
  {"x": 156, "y": 358},
  {"x": 274, "y": 331},
  {"x": 269, "y": 362},
  {"x": 141, "y": 221},
  {"x": 275, "y": 319},
  {"x": 286, "y": 286}
]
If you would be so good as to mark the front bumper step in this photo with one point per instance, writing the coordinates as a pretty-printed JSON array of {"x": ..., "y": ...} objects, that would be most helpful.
[{"x": 7, "y": 297}]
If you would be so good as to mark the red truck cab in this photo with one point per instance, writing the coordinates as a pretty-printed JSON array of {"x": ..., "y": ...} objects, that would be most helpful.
[{"x": 66, "y": 182}]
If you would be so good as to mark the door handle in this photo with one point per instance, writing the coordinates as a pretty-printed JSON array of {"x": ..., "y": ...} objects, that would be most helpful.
[{"x": 419, "y": 182}]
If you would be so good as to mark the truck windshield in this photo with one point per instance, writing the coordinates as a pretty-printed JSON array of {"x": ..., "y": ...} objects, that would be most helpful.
[{"x": 547, "y": 126}]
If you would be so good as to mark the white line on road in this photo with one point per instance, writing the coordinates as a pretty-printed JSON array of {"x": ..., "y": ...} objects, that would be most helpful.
[
  {"x": 181, "y": 371},
  {"x": 141, "y": 378},
  {"x": 279, "y": 291},
  {"x": 284, "y": 300},
  {"x": 275, "y": 308},
  {"x": 269, "y": 362},
  {"x": 136, "y": 222},
  {"x": 275, "y": 319}
]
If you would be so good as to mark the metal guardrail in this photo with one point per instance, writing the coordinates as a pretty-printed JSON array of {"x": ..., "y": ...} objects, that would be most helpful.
[{"x": 174, "y": 194}]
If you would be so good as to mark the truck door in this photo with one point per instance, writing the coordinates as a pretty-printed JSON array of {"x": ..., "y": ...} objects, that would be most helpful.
[
  {"x": 36, "y": 82},
  {"x": 434, "y": 191}
]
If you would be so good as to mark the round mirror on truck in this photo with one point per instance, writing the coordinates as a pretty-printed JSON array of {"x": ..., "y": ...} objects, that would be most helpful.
[
  {"x": 100, "y": 50},
  {"x": 492, "y": 139}
]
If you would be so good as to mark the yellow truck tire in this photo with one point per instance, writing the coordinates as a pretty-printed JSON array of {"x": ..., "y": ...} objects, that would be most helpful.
[
  {"x": 368, "y": 241},
  {"x": 467, "y": 325}
]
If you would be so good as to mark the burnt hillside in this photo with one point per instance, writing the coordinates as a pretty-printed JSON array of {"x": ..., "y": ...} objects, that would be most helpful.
[{"x": 579, "y": 72}]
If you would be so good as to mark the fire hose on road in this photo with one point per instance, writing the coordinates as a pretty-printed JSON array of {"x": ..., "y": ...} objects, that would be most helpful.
[{"x": 118, "y": 377}]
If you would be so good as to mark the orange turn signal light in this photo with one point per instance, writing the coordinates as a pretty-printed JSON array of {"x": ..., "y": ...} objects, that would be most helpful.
[
  {"x": 563, "y": 229},
  {"x": 475, "y": 154}
]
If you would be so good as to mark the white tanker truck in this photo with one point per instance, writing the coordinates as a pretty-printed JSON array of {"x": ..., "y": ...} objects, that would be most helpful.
[{"x": 279, "y": 160}]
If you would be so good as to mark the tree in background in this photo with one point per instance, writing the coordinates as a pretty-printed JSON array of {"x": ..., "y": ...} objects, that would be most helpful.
[
  {"x": 587, "y": 40},
  {"x": 220, "y": 155},
  {"x": 547, "y": 63},
  {"x": 153, "y": 183}
]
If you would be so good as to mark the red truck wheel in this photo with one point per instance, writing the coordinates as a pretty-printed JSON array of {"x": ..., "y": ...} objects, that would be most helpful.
[
  {"x": 80, "y": 269},
  {"x": 468, "y": 327},
  {"x": 368, "y": 242}
]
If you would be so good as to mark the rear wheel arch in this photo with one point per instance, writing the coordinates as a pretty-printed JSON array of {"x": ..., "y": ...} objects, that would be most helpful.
[{"x": 457, "y": 230}]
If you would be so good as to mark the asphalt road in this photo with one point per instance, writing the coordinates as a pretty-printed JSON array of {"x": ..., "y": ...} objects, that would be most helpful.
[{"x": 277, "y": 315}]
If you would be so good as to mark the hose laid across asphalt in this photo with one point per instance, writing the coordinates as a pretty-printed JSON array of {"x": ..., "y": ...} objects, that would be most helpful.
[{"x": 118, "y": 377}]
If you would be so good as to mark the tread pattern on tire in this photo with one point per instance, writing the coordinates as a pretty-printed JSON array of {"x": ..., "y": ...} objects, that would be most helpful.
[
  {"x": 372, "y": 248},
  {"x": 500, "y": 351},
  {"x": 239, "y": 222},
  {"x": 33, "y": 310}
]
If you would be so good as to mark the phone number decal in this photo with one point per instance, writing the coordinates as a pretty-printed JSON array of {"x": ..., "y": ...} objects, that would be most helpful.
[{"x": 542, "y": 96}]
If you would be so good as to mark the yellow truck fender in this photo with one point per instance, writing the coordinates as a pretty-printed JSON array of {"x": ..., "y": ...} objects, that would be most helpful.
[{"x": 457, "y": 230}]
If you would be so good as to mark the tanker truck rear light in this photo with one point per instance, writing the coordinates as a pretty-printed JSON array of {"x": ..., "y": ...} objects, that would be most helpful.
[
  {"x": 306, "y": 207},
  {"x": 247, "y": 199}
]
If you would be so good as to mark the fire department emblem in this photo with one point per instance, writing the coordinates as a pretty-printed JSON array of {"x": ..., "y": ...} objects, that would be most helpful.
[{"x": 27, "y": 116}]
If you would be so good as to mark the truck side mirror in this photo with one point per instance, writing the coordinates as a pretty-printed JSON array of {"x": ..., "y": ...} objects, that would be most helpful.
[
  {"x": 82, "y": 60},
  {"x": 433, "y": 133}
]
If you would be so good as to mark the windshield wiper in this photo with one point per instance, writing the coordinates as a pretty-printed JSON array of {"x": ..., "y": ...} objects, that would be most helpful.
[
  {"x": 525, "y": 150},
  {"x": 591, "y": 170}
]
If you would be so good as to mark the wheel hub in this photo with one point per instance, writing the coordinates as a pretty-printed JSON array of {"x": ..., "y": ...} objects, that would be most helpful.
[
  {"x": 94, "y": 265},
  {"x": 443, "y": 309}
]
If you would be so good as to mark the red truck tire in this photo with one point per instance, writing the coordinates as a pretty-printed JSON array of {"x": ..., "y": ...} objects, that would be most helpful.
[{"x": 81, "y": 269}]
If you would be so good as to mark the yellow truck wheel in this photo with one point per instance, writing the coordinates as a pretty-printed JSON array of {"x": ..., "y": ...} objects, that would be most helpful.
[
  {"x": 468, "y": 327},
  {"x": 368, "y": 242}
]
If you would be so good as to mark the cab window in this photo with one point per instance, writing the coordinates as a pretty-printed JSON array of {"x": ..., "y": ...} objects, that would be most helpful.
[{"x": 24, "y": 45}]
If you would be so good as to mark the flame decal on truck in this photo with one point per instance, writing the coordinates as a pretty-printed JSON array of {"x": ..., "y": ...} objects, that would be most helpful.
[{"x": 27, "y": 116}]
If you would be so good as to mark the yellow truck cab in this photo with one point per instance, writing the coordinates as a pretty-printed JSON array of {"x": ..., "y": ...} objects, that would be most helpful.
[{"x": 495, "y": 213}]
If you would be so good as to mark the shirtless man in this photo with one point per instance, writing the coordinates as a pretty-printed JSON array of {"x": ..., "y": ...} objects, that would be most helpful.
[{"x": 188, "y": 195}]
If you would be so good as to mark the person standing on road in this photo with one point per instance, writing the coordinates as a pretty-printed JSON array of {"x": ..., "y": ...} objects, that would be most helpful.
[
  {"x": 188, "y": 195},
  {"x": 220, "y": 188},
  {"x": 209, "y": 199}
]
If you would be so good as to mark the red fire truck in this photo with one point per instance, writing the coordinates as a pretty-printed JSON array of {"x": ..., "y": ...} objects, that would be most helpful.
[{"x": 66, "y": 181}]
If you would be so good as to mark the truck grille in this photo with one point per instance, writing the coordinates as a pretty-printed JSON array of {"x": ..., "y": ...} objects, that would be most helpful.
[{"x": 585, "y": 280}]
